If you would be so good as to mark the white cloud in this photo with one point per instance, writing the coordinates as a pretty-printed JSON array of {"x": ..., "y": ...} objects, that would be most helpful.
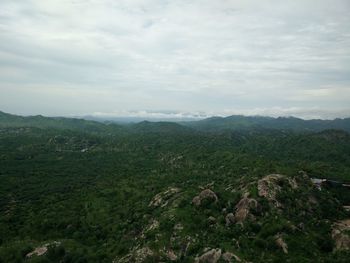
[{"x": 187, "y": 56}]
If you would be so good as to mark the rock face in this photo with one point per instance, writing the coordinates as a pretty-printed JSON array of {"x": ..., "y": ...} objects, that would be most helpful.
[
  {"x": 206, "y": 194},
  {"x": 270, "y": 186},
  {"x": 340, "y": 234},
  {"x": 211, "y": 256},
  {"x": 243, "y": 208},
  {"x": 162, "y": 199}
]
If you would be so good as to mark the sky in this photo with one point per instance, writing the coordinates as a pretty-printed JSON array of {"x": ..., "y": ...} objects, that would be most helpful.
[{"x": 191, "y": 58}]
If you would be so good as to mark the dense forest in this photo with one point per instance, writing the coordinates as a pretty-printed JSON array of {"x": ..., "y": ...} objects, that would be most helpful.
[{"x": 217, "y": 190}]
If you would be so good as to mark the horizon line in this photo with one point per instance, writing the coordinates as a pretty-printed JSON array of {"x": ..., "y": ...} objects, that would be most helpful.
[{"x": 167, "y": 116}]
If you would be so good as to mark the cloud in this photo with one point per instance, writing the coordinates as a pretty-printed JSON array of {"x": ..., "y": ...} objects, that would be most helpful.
[{"x": 187, "y": 56}]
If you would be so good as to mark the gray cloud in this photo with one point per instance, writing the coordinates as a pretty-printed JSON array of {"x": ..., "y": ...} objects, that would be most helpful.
[{"x": 60, "y": 57}]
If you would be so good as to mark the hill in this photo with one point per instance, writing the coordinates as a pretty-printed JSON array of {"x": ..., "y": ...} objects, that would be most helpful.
[
  {"x": 236, "y": 122},
  {"x": 213, "y": 124},
  {"x": 10, "y": 120},
  {"x": 162, "y": 192}
]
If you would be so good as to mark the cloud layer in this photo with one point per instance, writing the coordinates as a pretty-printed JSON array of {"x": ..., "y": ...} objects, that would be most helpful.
[{"x": 60, "y": 57}]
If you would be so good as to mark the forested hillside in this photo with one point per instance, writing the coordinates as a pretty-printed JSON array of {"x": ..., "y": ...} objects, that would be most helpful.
[
  {"x": 82, "y": 191},
  {"x": 282, "y": 123}
]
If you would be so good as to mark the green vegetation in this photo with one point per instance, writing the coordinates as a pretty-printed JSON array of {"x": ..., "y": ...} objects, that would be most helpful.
[{"x": 93, "y": 192}]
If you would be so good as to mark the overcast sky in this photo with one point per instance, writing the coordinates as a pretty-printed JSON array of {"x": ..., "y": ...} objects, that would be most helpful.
[{"x": 176, "y": 57}]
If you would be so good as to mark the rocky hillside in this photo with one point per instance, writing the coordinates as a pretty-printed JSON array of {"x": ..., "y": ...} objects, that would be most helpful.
[
  {"x": 274, "y": 218},
  {"x": 165, "y": 193}
]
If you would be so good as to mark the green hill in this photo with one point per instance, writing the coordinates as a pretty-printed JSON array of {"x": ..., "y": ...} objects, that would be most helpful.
[
  {"x": 237, "y": 122},
  {"x": 163, "y": 192},
  {"x": 9, "y": 120}
]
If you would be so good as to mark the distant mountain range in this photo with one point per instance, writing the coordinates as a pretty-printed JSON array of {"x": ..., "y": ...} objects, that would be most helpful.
[
  {"x": 10, "y": 120},
  {"x": 281, "y": 123},
  {"x": 213, "y": 124}
]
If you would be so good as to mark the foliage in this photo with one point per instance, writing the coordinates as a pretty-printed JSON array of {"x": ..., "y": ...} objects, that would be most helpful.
[{"x": 89, "y": 185}]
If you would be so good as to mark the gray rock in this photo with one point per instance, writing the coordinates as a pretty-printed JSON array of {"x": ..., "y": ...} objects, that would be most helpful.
[
  {"x": 230, "y": 219},
  {"x": 205, "y": 194},
  {"x": 196, "y": 201},
  {"x": 211, "y": 220},
  {"x": 211, "y": 256}
]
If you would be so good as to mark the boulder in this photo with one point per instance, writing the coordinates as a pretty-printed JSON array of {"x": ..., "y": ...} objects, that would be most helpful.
[
  {"x": 211, "y": 256},
  {"x": 171, "y": 255},
  {"x": 281, "y": 244},
  {"x": 206, "y": 194},
  {"x": 243, "y": 208},
  {"x": 196, "y": 201},
  {"x": 340, "y": 235},
  {"x": 39, "y": 251},
  {"x": 230, "y": 219},
  {"x": 162, "y": 199},
  {"x": 270, "y": 185},
  {"x": 211, "y": 220}
]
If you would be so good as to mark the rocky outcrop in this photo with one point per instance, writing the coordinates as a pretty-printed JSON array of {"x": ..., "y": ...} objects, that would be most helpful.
[
  {"x": 142, "y": 254},
  {"x": 162, "y": 199},
  {"x": 206, "y": 194},
  {"x": 211, "y": 256},
  {"x": 211, "y": 220},
  {"x": 39, "y": 251},
  {"x": 196, "y": 201},
  {"x": 281, "y": 244},
  {"x": 340, "y": 235},
  {"x": 154, "y": 224},
  {"x": 270, "y": 185},
  {"x": 171, "y": 255},
  {"x": 230, "y": 219},
  {"x": 243, "y": 208}
]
